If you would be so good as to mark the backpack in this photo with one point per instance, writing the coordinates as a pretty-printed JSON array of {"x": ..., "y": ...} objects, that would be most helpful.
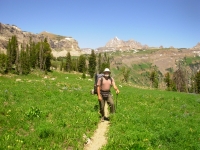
[{"x": 96, "y": 78}]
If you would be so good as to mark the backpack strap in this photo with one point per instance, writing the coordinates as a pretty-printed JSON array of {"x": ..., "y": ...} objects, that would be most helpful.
[{"x": 101, "y": 81}]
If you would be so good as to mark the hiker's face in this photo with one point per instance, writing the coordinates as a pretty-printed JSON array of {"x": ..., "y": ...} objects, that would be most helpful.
[{"x": 106, "y": 74}]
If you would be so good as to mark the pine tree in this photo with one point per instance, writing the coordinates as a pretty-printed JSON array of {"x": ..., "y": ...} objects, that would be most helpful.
[
  {"x": 40, "y": 55},
  {"x": 180, "y": 78},
  {"x": 48, "y": 55},
  {"x": 68, "y": 65},
  {"x": 126, "y": 73},
  {"x": 44, "y": 55},
  {"x": 33, "y": 54},
  {"x": 12, "y": 48},
  {"x": 17, "y": 62},
  {"x": 197, "y": 82},
  {"x": 167, "y": 80},
  {"x": 103, "y": 62},
  {"x": 9, "y": 56},
  {"x": 24, "y": 61},
  {"x": 154, "y": 78},
  {"x": 3, "y": 59},
  {"x": 92, "y": 64},
  {"x": 82, "y": 64},
  {"x": 75, "y": 64},
  {"x": 61, "y": 65},
  {"x": 99, "y": 63}
]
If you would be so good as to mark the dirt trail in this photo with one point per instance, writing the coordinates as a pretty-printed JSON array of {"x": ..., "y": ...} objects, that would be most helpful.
[{"x": 99, "y": 138}]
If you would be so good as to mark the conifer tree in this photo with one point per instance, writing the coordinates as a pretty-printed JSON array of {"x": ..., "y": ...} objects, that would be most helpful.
[
  {"x": 33, "y": 54},
  {"x": 12, "y": 48},
  {"x": 48, "y": 55},
  {"x": 61, "y": 65},
  {"x": 99, "y": 63},
  {"x": 82, "y": 64},
  {"x": 44, "y": 55},
  {"x": 180, "y": 78},
  {"x": 3, "y": 59},
  {"x": 68, "y": 65},
  {"x": 92, "y": 64},
  {"x": 17, "y": 62},
  {"x": 75, "y": 64},
  {"x": 154, "y": 78},
  {"x": 197, "y": 82},
  {"x": 40, "y": 55},
  {"x": 126, "y": 73},
  {"x": 169, "y": 82},
  {"x": 103, "y": 62},
  {"x": 24, "y": 61}
]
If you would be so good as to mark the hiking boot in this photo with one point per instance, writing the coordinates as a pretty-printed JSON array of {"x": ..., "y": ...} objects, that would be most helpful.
[
  {"x": 102, "y": 119},
  {"x": 106, "y": 118}
]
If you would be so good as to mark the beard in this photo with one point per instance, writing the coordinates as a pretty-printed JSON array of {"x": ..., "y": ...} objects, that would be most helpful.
[{"x": 106, "y": 75}]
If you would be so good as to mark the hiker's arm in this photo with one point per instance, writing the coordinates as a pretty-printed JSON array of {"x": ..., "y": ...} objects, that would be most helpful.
[
  {"x": 98, "y": 93},
  {"x": 115, "y": 87}
]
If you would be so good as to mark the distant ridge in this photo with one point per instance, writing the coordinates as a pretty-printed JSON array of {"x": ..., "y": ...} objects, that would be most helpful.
[
  {"x": 60, "y": 45},
  {"x": 124, "y": 45}
]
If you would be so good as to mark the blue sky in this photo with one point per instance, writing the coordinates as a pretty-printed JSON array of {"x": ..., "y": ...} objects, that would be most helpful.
[{"x": 94, "y": 22}]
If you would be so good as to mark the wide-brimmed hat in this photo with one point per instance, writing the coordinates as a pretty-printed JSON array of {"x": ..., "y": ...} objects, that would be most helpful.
[{"x": 107, "y": 70}]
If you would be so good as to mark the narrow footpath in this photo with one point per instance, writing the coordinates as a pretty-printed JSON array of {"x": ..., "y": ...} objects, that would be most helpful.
[{"x": 99, "y": 138}]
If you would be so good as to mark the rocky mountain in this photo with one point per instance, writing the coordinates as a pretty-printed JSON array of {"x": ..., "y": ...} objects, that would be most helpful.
[
  {"x": 118, "y": 44},
  {"x": 197, "y": 47},
  {"x": 60, "y": 45}
]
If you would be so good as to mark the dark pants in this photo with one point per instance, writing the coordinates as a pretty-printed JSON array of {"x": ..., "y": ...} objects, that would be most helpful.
[{"x": 110, "y": 102}]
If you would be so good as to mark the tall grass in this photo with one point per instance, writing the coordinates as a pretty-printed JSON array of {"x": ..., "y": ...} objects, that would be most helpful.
[
  {"x": 46, "y": 113},
  {"x": 151, "y": 119},
  {"x": 54, "y": 112}
]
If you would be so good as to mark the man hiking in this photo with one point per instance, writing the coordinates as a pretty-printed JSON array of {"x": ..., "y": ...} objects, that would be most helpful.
[{"x": 104, "y": 85}]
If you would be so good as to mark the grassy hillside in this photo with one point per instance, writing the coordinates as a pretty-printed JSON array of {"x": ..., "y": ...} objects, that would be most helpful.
[
  {"x": 151, "y": 119},
  {"x": 57, "y": 110},
  {"x": 46, "y": 113},
  {"x": 52, "y": 36}
]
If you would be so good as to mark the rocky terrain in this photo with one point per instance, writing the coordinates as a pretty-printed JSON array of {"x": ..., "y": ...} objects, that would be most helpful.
[
  {"x": 124, "y": 45},
  {"x": 60, "y": 44},
  {"x": 163, "y": 58},
  {"x": 197, "y": 47}
]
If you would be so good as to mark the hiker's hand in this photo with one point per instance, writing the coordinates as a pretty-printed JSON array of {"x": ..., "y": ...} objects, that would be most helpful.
[
  {"x": 99, "y": 98},
  {"x": 117, "y": 91}
]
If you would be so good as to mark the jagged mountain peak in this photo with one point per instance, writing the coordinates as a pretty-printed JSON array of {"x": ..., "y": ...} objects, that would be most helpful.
[
  {"x": 120, "y": 44},
  {"x": 116, "y": 38}
]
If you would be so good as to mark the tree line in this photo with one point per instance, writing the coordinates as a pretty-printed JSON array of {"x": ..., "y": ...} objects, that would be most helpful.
[
  {"x": 94, "y": 63},
  {"x": 21, "y": 59},
  {"x": 184, "y": 79}
]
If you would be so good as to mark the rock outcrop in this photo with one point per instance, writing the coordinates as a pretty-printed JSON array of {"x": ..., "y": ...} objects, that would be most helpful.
[
  {"x": 118, "y": 44},
  {"x": 197, "y": 47},
  {"x": 60, "y": 45}
]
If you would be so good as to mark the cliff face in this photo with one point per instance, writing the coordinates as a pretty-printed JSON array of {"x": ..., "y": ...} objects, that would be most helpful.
[
  {"x": 60, "y": 45},
  {"x": 124, "y": 45}
]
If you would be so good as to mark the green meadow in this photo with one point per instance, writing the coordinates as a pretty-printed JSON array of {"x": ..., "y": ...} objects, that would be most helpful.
[
  {"x": 56, "y": 111},
  {"x": 152, "y": 119}
]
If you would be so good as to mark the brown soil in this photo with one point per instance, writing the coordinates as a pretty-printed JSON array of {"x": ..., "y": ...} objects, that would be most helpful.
[
  {"x": 163, "y": 59},
  {"x": 99, "y": 138}
]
